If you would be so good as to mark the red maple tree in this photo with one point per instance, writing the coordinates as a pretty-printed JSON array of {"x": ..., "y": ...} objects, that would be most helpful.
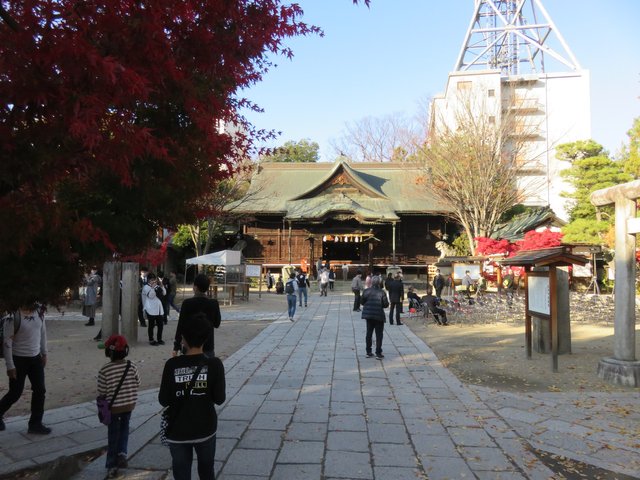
[
  {"x": 110, "y": 122},
  {"x": 533, "y": 240}
]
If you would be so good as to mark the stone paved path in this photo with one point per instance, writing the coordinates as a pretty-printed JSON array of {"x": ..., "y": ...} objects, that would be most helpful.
[{"x": 303, "y": 402}]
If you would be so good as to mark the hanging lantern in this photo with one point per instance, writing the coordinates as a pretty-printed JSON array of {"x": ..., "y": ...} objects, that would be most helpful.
[
  {"x": 356, "y": 239},
  {"x": 324, "y": 239},
  {"x": 337, "y": 239}
]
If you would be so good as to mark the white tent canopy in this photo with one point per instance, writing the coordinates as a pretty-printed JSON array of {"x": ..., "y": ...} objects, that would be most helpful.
[{"x": 223, "y": 257}]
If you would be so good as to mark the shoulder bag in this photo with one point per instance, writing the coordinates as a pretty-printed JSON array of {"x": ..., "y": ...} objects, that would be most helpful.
[{"x": 104, "y": 405}]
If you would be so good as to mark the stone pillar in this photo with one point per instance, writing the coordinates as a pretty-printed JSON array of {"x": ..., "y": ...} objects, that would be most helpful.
[
  {"x": 623, "y": 368},
  {"x": 110, "y": 298},
  {"x": 624, "y": 345},
  {"x": 130, "y": 299}
]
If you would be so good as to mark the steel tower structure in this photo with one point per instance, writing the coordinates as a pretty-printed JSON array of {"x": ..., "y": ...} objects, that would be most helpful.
[{"x": 513, "y": 36}]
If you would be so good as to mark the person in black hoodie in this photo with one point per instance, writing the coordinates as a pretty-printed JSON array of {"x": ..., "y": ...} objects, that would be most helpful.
[
  {"x": 373, "y": 302},
  {"x": 191, "y": 385},
  {"x": 199, "y": 303}
]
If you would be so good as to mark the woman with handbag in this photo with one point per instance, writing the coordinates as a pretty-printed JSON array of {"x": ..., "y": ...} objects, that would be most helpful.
[
  {"x": 192, "y": 384},
  {"x": 118, "y": 384}
]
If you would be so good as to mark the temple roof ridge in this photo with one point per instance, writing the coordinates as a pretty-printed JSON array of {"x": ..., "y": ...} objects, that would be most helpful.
[{"x": 342, "y": 166}]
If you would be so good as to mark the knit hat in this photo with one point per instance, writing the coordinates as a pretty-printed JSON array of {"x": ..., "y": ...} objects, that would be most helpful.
[{"x": 116, "y": 343}]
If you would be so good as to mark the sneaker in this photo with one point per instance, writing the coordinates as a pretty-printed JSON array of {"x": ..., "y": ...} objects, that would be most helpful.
[
  {"x": 39, "y": 430},
  {"x": 160, "y": 342},
  {"x": 2, "y": 425},
  {"x": 153, "y": 343},
  {"x": 369, "y": 355},
  {"x": 379, "y": 356},
  {"x": 112, "y": 473},
  {"x": 122, "y": 461},
  {"x": 399, "y": 323}
]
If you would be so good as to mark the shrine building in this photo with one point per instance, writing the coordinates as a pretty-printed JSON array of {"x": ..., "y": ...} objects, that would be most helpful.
[{"x": 365, "y": 214}]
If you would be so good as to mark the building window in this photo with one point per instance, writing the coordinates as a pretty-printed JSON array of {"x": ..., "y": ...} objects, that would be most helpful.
[
  {"x": 492, "y": 92},
  {"x": 464, "y": 85},
  {"x": 492, "y": 119}
]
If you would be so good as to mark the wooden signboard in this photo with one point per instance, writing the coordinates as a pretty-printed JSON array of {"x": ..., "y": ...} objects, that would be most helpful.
[
  {"x": 539, "y": 295},
  {"x": 252, "y": 270}
]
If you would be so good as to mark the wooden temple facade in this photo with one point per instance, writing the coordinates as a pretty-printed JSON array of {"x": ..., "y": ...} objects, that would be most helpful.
[{"x": 376, "y": 214}]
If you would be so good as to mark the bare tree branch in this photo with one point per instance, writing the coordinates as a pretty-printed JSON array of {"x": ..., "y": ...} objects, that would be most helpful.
[
  {"x": 391, "y": 138},
  {"x": 474, "y": 161}
]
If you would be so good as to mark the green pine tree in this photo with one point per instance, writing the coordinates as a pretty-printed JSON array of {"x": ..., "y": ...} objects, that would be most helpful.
[{"x": 591, "y": 169}]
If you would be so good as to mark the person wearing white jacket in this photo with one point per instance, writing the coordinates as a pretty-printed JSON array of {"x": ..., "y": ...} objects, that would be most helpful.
[{"x": 153, "y": 307}]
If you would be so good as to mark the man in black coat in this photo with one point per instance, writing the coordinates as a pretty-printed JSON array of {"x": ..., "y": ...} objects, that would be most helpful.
[
  {"x": 438, "y": 283},
  {"x": 396, "y": 296},
  {"x": 199, "y": 303}
]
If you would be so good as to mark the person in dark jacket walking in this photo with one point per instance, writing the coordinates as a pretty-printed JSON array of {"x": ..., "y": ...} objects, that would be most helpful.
[
  {"x": 374, "y": 301},
  {"x": 199, "y": 303},
  {"x": 396, "y": 296},
  {"x": 192, "y": 384}
]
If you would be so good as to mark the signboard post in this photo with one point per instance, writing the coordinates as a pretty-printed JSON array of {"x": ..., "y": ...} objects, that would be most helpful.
[
  {"x": 254, "y": 271},
  {"x": 547, "y": 297},
  {"x": 541, "y": 302}
]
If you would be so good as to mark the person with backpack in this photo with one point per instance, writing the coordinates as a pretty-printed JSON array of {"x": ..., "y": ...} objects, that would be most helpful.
[
  {"x": 303, "y": 283},
  {"x": 118, "y": 382},
  {"x": 25, "y": 353},
  {"x": 290, "y": 289}
]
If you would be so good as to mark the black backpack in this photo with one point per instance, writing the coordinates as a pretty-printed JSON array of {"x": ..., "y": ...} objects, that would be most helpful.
[
  {"x": 289, "y": 288},
  {"x": 16, "y": 327}
]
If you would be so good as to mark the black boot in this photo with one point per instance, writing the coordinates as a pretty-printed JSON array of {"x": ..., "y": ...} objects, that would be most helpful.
[
  {"x": 90, "y": 323},
  {"x": 98, "y": 337}
]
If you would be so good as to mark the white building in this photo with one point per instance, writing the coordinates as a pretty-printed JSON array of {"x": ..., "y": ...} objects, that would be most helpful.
[{"x": 514, "y": 62}]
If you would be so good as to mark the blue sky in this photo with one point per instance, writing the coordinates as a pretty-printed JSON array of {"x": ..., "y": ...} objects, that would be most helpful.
[{"x": 388, "y": 58}]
